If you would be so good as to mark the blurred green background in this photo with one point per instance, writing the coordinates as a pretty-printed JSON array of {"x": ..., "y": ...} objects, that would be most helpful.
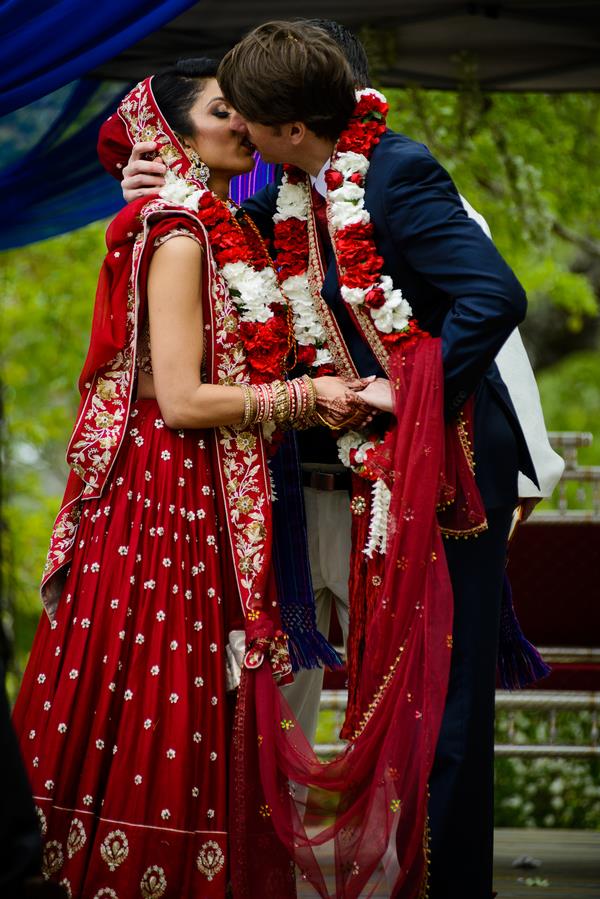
[{"x": 527, "y": 163}]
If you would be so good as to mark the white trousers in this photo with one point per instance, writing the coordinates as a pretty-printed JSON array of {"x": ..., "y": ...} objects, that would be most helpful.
[{"x": 329, "y": 522}]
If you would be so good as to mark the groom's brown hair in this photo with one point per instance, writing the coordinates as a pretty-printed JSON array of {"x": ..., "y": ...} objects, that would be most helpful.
[{"x": 289, "y": 72}]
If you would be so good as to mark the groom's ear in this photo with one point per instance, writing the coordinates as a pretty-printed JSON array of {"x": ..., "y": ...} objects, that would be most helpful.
[{"x": 296, "y": 132}]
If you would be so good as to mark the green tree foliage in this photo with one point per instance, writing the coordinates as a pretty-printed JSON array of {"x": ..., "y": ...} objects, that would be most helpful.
[
  {"x": 47, "y": 298},
  {"x": 526, "y": 162}
]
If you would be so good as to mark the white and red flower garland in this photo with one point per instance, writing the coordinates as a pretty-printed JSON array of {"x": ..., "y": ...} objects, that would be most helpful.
[
  {"x": 293, "y": 258},
  {"x": 362, "y": 283},
  {"x": 248, "y": 271},
  {"x": 353, "y": 451}
]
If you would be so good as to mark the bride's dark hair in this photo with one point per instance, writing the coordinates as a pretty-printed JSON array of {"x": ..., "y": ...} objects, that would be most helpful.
[{"x": 177, "y": 88}]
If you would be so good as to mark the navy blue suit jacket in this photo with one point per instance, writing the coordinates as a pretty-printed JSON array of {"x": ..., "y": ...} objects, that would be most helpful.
[{"x": 458, "y": 286}]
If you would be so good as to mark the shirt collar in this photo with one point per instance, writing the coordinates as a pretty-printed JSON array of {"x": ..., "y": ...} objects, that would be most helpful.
[{"x": 318, "y": 181}]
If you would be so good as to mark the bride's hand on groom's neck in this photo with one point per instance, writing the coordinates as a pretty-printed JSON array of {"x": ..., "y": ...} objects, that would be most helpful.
[{"x": 144, "y": 174}]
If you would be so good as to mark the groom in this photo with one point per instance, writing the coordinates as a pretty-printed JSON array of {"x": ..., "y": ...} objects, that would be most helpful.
[{"x": 294, "y": 93}]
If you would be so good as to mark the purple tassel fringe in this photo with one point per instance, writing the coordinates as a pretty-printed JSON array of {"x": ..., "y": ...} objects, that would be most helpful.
[{"x": 519, "y": 662}]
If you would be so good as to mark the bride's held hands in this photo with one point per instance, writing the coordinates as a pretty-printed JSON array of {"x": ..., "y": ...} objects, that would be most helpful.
[{"x": 338, "y": 401}]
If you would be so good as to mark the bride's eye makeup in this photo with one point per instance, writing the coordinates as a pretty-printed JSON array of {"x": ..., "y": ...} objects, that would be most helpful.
[{"x": 219, "y": 109}]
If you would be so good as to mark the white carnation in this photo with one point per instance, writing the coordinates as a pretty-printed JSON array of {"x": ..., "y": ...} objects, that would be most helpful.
[
  {"x": 307, "y": 326},
  {"x": 344, "y": 214},
  {"x": 393, "y": 315},
  {"x": 386, "y": 284},
  {"x": 352, "y": 163},
  {"x": 354, "y": 296},
  {"x": 254, "y": 291},
  {"x": 193, "y": 200},
  {"x": 323, "y": 357},
  {"x": 348, "y": 192},
  {"x": 292, "y": 202},
  {"x": 180, "y": 192},
  {"x": 346, "y": 443},
  {"x": 296, "y": 288},
  {"x": 383, "y": 319}
]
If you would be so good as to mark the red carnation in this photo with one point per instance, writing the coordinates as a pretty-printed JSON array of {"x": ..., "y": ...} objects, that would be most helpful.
[
  {"x": 294, "y": 175},
  {"x": 356, "y": 178},
  {"x": 266, "y": 345},
  {"x": 291, "y": 267},
  {"x": 333, "y": 179},
  {"x": 356, "y": 232},
  {"x": 306, "y": 354},
  {"x": 323, "y": 370},
  {"x": 375, "y": 298}
]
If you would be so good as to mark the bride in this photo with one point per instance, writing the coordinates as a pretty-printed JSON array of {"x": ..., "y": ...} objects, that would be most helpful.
[{"x": 161, "y": 548}]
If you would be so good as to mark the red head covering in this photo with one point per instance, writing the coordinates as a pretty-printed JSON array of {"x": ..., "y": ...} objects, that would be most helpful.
[
  {"x": 114, "y": 146},
  {"x": 137, "y": 119}
]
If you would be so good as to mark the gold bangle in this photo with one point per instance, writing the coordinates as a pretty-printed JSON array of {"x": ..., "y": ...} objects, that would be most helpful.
[
  {"x": 281, "y": 406},
  {"x": 312, "y": 394},
  {"x": 247, "y": 392}
]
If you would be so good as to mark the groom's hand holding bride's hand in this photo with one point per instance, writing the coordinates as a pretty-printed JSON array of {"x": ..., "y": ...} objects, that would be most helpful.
[
  {"x": 143, "y": 175},
  {"x": 338, "y": 401},
  {"x": 378, "y": 394}
]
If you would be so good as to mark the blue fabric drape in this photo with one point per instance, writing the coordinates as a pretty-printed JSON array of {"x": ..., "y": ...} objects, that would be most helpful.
[
  {"x": 50, "y": 177},
  {"x": 49, "y": 43}
]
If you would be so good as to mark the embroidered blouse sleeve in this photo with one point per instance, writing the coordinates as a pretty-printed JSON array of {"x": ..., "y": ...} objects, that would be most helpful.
[{"x": 176, "y": 232}]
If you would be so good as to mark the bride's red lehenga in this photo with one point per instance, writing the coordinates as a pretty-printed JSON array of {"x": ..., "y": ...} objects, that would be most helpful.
[{"x": 122, "y": 712}]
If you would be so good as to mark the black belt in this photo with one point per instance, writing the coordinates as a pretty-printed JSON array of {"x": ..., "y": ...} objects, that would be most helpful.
[{"x": 327, "y": 480}]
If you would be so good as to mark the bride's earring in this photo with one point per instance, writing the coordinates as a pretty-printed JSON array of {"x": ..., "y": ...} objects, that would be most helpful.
[{"x": 199, "y": 170}]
